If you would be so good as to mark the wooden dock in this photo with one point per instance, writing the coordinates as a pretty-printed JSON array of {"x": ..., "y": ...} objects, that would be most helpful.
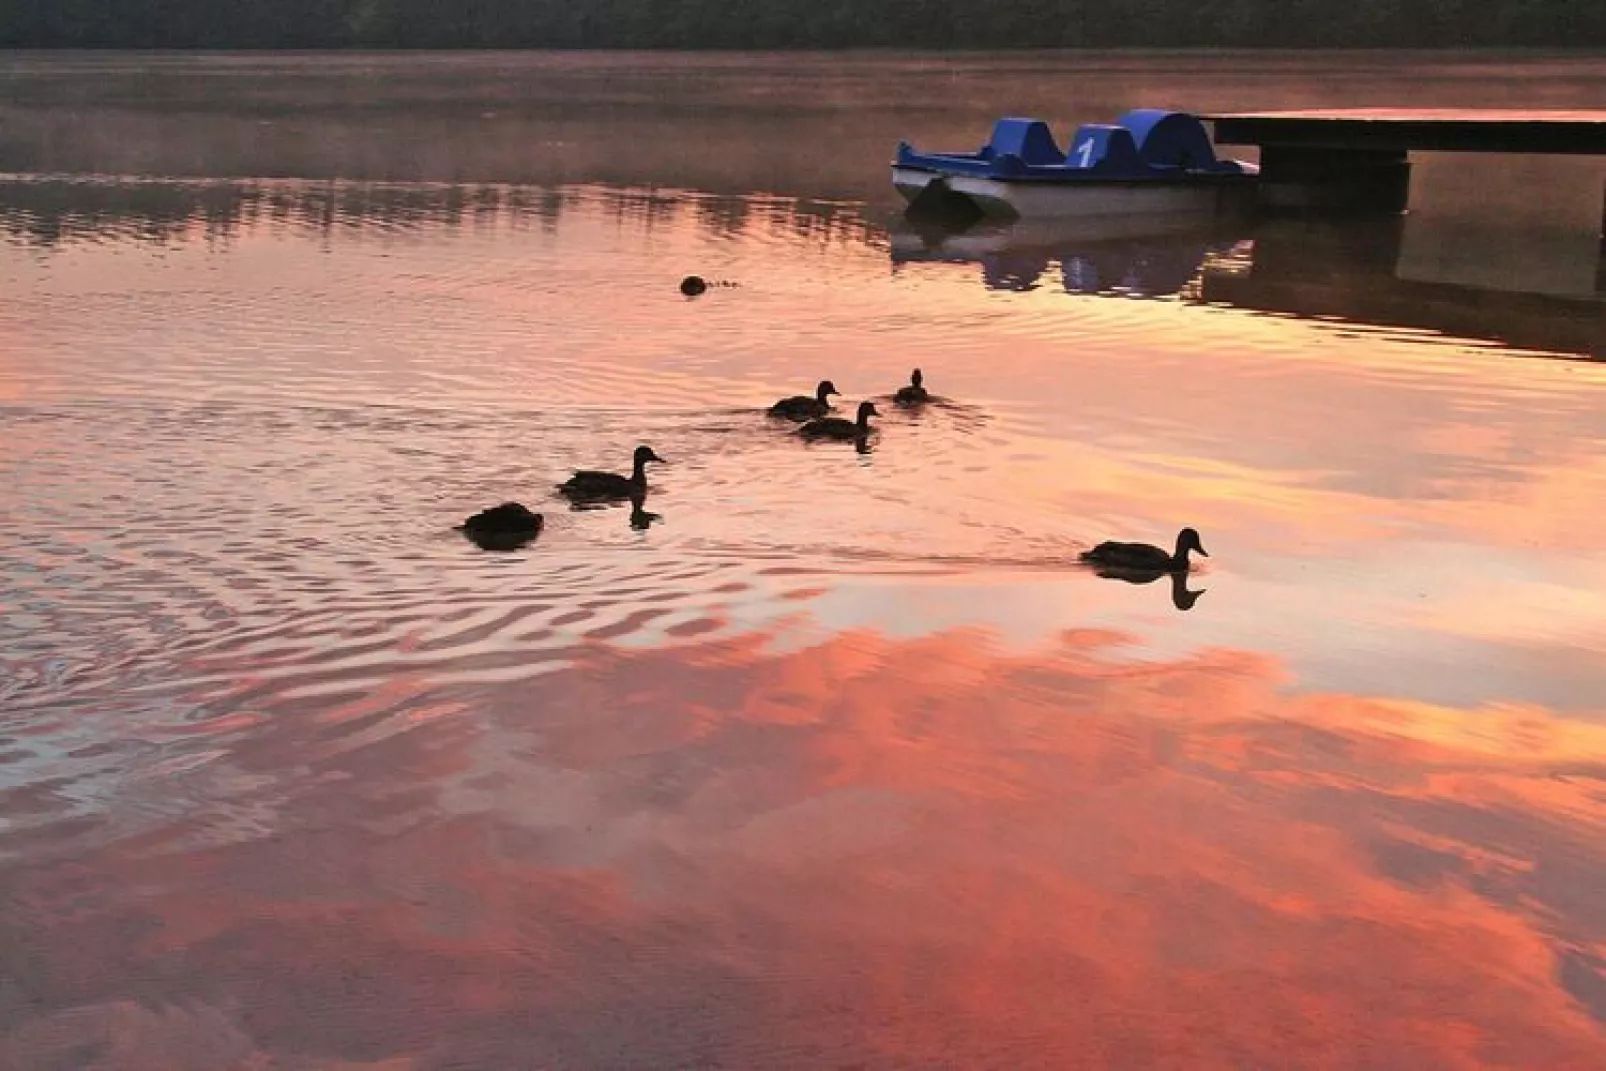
[{"x": 1356, "y": 161}]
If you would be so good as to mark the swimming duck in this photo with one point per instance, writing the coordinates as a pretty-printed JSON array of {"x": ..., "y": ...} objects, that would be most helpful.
[
  {"x": 914, "y": 393},
  {"x": 504, "y": 527},
  {"x": 802, "y": 407},
  {"x": 839, "y": 427},
  {"x": 609, "y": 485},
  {"x": 1144, "y": 557},
  {"x": 693, "y": 285}
]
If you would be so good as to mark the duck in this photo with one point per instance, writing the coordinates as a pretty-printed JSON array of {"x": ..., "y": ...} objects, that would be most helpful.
[
  {"x": 802, "y": 407},
  {"x": 693, "y": 285},
  {"x": 504, "y": 527},
  {"x": 840, "y": 427},
  {"x": 1145, "y": 557},
  {"x": 610, "y": 485},
  {"x": 914, "y": 393}
]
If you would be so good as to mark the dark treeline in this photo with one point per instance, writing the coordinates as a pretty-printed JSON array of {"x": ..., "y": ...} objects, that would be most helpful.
[{"x": 766, "y": 24}]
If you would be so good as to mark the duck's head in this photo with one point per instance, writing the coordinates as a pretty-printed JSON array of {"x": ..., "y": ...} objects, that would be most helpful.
[
  {"x": 644, "y": 454},
  {"x": 867, "y": 410},
  {"x": 1188, "y": 539},
  {"x": 915, "y": 378},
  {"x": 825, "y": 389}
]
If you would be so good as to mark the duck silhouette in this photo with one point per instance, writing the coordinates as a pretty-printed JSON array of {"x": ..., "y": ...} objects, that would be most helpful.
[
  {"x": 1145, "y": 557},
  {"x": 802, "y": 407},
  {"x": 841, "y": 428},
  {"x": 915, "y": 393},
  {"x": 506, "y": 527},
  {"x": 589, "y": 486}
]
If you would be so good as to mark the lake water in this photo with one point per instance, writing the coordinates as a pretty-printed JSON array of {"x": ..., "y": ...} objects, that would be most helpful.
[{"x": 821, "y": 758}]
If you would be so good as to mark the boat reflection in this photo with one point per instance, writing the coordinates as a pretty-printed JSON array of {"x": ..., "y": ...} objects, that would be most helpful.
[
  {"x": 1128, "y": 257},
  {"x": 1397, "y": 272}
]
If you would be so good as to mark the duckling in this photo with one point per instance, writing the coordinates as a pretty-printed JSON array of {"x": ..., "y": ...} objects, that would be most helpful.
[
  {"x": 802, "y": 407},
  {"x": 610, "y": 485},
  {"x": 914, "y": 393},
  {"x": 504, "y": 527},
  {"x": 1144, "y": 557},
  {"x": 840, "y": 428}
]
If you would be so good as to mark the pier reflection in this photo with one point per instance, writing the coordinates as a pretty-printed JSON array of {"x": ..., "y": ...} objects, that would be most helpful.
[{"x": 1358, "y": 273}]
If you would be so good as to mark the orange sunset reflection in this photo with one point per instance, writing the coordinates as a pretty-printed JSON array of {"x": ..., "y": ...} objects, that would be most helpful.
[
  {"x": 810, "y": 756},
  {"x": 928, "y": 851}
]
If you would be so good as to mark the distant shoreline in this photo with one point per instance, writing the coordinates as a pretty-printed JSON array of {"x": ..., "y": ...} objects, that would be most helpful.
[
  {"x": 799, "y": 25},
  {"x": 1571, "y": 51}
]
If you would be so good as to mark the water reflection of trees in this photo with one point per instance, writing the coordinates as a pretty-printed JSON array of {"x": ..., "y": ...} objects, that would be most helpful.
[{"x": 48, "y": 213}]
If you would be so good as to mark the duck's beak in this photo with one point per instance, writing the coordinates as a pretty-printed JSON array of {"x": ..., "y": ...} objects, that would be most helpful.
[{"x": 1203, "y": 551}]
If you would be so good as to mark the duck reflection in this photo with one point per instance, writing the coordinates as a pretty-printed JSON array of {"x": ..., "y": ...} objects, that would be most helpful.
[
  {"x": 1182, "y": 596},
  {"x": 640, "y": 518}
]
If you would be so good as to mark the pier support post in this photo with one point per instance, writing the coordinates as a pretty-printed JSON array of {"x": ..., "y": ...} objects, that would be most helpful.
[
  {"x": 1316, "y": 181},
  {"x": 1600, "y": 261}
]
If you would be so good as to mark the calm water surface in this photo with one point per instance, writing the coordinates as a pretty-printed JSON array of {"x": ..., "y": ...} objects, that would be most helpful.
[{"x": 823, "y": 758}]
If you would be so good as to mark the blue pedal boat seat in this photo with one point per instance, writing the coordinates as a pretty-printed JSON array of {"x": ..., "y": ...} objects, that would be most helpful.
[
  {"x": 1028, "y": 140},
  {"x": 1106, "y": 150},
  {"x": 1173, "y": 140}
]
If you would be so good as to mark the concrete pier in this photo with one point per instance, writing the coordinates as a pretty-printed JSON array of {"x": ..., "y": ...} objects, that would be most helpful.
[{"x": 1356, "y": 162}]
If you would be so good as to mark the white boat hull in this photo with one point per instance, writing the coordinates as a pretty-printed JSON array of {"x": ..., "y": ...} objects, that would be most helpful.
[{"x": 1050, "y": 200}]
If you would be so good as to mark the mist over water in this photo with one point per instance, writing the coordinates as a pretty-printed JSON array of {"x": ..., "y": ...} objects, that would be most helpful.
[{"x": 819, "y": 757}]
